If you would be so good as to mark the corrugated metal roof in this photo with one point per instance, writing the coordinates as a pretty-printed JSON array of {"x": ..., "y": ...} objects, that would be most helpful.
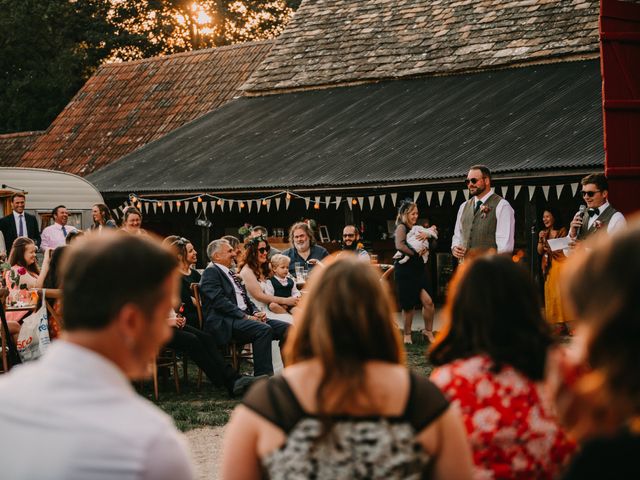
[{"x": 519, "y": 120}]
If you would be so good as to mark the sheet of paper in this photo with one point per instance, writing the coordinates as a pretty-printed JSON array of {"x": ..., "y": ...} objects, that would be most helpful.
[{"x": 558, "y": 243}]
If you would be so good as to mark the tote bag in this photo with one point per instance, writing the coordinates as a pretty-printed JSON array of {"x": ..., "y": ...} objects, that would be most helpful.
[{"x": 33, "y": 339}]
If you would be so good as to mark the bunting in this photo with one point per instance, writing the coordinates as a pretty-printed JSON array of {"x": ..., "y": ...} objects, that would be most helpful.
[
  {"x": 394, "y": 197},
  {"x": 382, "y": 199}
]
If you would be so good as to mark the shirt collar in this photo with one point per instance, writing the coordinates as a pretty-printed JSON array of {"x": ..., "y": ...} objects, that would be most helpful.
[
  {"x": 602, "y": 207},
  {"x": 222, "y": 267},
  {"x": 487, "y": 195},
  {"x": 16, "y": 215}
]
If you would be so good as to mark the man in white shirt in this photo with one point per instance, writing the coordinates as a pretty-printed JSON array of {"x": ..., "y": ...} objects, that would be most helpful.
[
  {"x": 600, "y": 215},
  {"x": 73, "y": 414},
  {"x": 54, "y": 235},
  {"x": 485, "y": 221}
]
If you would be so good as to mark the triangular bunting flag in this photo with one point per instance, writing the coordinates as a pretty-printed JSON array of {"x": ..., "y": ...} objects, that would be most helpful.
[
  {"x": 162, "y": 206},
  {"x": 361, "y": 202},
  {"x": 212, "y": 205},
  {"x": 382, "y": 199},
  {"x": 268, "y": 204},
  {"x": 559, "y": 190},
  {"x": 429, "y": 197},
  {"x": 155, "y": 207},
  {"x": 222, "y": 202},
  {"x": 327, "y": 201},
  {"x": 350, "y": 202},
  {"x": 170, "y": 206},
  {"x": 532, "y": 192},
  {"x": 503, "y": 191},
  {"x": 186, "y": 206},
  {"x": 454, "y": 194},
  {"x": 317, "y": 200},
  {"x": 394, "y": 197},
  {"x": 146, "y": 207},
  {"x": 415, "y": 196},
  {"x": 465, "y": 192},
  {"x": 249, "y": 205},
  {"x": 258, "y": 205},
  {"x": 306, "y": 202},
  {"x": 545, "y": 191},
  {"x": 371, "y": 200},
  {"x": 516, "y": 190},
  {"x": 574, "y": 189},
  {"x": 195, "y": 206},
  {"x": 287, "y": 200},
  {"x": 338, "y": 200},
  {"x": 440, "y": 197},
  {"x": 278, "y": 203}
]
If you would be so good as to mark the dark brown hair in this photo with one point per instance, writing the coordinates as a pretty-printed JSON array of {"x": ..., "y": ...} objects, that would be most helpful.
[
  {"x": 103, "y": 273},
  {"x": 597, "y": 179},
  {"x": 493, "y": 309},
  {"x": 250, "y": 258},
  {"x": 18, "y": 194},
  {"x": 483, "y": 169},
  {"x": 16, "y": 256},
  {"x": 53, "y": 279},
  {"x": 346, "y": 320},
  {"x": 105, "y": 212}
]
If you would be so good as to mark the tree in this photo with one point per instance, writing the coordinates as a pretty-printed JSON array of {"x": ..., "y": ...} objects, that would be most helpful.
[{"x": 48, "y": 49}]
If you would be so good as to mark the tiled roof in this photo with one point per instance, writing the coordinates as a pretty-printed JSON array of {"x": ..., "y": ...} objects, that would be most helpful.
[
  {"x": 125, "y": 105},
  {"x": 518, "y": 121},
  {"x": 13, "y": 146},
  {"x": 345, "y": 41}
]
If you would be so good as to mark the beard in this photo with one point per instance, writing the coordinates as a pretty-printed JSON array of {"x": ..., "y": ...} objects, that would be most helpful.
[
  {"x": 353, "y": 246},
  {"x": 303, "y": 247}
]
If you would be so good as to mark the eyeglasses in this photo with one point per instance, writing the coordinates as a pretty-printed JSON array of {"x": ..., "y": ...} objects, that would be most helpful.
[
  {"x": 472, "y": 181},
  {"x": 590, "y": 194},
  {"x": 348, "y": 235},
  {"x": 264, "y": 249}
]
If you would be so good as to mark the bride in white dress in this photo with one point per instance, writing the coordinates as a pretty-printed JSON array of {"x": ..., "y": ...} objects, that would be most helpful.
[{"x": 255, "y": 273}]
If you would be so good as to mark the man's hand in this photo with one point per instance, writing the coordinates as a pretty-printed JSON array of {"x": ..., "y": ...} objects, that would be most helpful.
[
  {"x": 291, "y": 301},
  {"x": 313, "y": 261},
  {"x": 458, "y": 251},
  {"x": 258, "y": 317},
  {"x": 575, "y": 224}
]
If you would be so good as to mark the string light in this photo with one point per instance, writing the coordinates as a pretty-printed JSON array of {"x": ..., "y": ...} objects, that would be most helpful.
[
  {"x": 219, "y": 202},
  {"x": 241, "y": 204},
  {"x": 199, "y": 199},
  {"x": 288, "y": 196},
  {"x": 354, "y": 201},
  {"x": 264, "y": 202},
  {"x": 160, "y": 204},
  {"x": 316, "y": 206},
  {"x": 178, "y": 203}
]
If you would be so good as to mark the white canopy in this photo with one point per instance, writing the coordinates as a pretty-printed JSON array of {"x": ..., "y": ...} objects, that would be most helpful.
[{"x": 48, "y": 188}]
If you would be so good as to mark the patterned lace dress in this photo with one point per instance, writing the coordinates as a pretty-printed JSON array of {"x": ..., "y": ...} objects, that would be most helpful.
[{"x": 373, "y": 447}]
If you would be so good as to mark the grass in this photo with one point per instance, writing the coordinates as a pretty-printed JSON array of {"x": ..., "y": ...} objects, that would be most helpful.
[{"x": 211, "y": 407}]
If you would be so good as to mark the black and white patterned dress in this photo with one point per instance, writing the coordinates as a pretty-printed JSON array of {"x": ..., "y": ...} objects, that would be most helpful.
[{"x": 357, "y": 447}]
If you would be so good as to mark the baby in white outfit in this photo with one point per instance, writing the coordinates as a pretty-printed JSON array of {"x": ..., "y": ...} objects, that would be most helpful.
[{"x": 417, "y": 244}]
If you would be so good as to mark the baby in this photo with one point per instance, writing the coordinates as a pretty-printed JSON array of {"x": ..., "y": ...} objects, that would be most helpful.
[
  {"x": 416, "y": 244},
  {"x": 281, "y": 284}
]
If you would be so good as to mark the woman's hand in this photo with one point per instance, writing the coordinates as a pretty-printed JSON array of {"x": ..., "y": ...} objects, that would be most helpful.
[
  {"x": 422, "y": 236},
  {"x": 290, "y": 301},
  {"x": 542, "y": 236}
]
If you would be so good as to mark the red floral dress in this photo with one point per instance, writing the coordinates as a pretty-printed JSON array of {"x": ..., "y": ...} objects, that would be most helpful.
[{"x": 512, "y": 433}]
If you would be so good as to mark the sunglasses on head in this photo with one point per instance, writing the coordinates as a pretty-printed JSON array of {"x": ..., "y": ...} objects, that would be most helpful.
[
  {"x": 264, "y": 249},
  {"x": 180, "y": 241},
  {"x": 589, "y": 194},
  {"x": 472, "y": 181}
]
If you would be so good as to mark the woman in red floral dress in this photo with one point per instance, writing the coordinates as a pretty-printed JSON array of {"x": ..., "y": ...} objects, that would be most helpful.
[{"x": 490, "y": 362}]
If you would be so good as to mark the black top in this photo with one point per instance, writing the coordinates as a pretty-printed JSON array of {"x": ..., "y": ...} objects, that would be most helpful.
[
  {"x": 280, "y": 290},
  {"x": 612, "y": 458},
  {"x": 189, "y": 312}
]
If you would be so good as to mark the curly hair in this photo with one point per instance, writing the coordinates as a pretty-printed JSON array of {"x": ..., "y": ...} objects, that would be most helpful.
[
  {"x": 16, "y": 256},
  {"x": 250, "y": 258},
  {"x": 308, "y": 230}
]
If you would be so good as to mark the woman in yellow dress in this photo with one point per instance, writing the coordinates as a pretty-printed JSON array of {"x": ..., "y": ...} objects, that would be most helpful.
[{"x": 552, "y": 264}]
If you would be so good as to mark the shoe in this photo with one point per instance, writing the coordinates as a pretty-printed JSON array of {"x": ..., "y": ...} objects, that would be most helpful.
[
  {"x": 242, "y": 384},
  {"x": 408, "y": 340}
]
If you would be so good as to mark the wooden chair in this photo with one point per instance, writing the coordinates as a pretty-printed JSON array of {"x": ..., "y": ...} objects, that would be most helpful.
[
  {"x": 234, "y": 351},
  {"x": 166, "y": 359}
]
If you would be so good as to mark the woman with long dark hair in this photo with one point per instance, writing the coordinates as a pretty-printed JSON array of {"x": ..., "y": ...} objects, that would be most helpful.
[
  {"x": 102, "y": 217},
  {"x": 490, "y": 360},
  {"x": 187, "y": 258},
  {"x": 346, "y": 406},
  {"x": 411, "y": 276}
]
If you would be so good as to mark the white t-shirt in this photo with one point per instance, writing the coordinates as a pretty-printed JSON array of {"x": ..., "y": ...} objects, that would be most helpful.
[{"x": 74, "y": 415}]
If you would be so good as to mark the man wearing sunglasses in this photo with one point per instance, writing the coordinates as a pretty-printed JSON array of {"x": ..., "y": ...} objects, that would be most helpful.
[
  {"x": 485, "y": 221},
  {"x": 350, "y": 239},
  {"x": 599, "y": 214}
]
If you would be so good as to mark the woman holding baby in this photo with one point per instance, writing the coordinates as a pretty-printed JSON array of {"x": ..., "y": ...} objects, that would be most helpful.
[{"x": 410, "y": 273}]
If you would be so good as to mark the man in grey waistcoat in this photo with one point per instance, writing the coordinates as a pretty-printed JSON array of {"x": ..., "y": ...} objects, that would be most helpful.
[
  {"x": 485, "y": 221},
  {"x": 599, "y": 215}
]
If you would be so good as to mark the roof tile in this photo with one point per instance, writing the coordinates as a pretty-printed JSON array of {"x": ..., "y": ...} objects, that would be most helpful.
[{"x": 13, "y": 146}]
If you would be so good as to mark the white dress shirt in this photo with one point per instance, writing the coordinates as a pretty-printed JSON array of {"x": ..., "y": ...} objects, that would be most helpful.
[
  {"x": 505, "y": 226},
  {"x": 74, "y": 415},
  {"x": 3, "y": 247},
  {"x": 53, "y": 236},
  {"x": 269, "y": 290},
  {"x": 242, "y": 305},
  {"x": 616, "y": 223}
]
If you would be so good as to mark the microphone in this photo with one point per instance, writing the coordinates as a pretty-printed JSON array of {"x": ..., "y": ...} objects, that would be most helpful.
[{"x": 581, "y": 212}]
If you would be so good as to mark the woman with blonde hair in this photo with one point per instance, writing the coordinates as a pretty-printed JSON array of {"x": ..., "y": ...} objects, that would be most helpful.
[
  {"x": 132, "y": 221},
  {"x": 346, "y": 406},
  {"x": 596, "y": 381}
]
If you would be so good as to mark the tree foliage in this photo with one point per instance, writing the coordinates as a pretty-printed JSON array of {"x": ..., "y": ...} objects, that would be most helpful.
[{"x": 49, "y": 48}]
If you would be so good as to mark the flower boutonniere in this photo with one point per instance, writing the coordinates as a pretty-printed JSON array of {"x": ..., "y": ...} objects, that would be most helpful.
[
  {"x": 484, "y": 211},
  {"x": 598, "y": 224}
]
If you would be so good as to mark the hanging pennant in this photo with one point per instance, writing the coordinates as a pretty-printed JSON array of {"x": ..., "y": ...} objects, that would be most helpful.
[
  {"x": 306, "y": 202},
  {"x": 440, "y": 197},
  {"x": 429, "y": 197},
  {"x": 186, "y": 207},
  {"x": 361, "y": 202},
  {"x": 162, "y": 206},
  {"x": 531, "y": 191},
  {"x": 287, "y": 201},
  {"x": 415, "y": 196},
  {"x": 545, "y": 191},
  {"x": 516, "y": 190},
  {"x": 350, "y": 202},
  {"x": 559, "y": 190},
  {"x": 465, "y": 192},
  {"x": 394, "y": 197},
  {"x": 382, "y": 199},
  {"x": 371, "y": 200},
  {"x": 317, "y": 201},
  {"x": 212, "y": 205},
  {"x": 574, "y": 189},
  {"x": 249, "y": 205},
  {"x": 155, "y": 207},
  {"x": 503, "y": 191},
  {"x": 146, "y": 207},
  {"x": 278, "y": 203},
  {"x": 327, "y": 201},
  {"x": 268, "y": 205},
  {"x": 170, "y": 206},
  {"x": 195, "y": 206},
  {"x": 338, "y": 200},
  {"x": 454, "y": 194}
]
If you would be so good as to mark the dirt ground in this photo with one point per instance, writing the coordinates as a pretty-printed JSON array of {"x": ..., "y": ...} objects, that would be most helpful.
[{"x": 206, "y": 451}]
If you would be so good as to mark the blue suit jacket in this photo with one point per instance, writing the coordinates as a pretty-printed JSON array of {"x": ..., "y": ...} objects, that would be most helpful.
[{"x": 219, "y": 304}]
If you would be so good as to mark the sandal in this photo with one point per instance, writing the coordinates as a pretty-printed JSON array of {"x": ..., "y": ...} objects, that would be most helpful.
[{"x": 408, "y": 340}]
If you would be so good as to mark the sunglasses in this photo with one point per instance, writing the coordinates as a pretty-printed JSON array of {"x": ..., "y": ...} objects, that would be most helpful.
[
  {"x": 180, "y": 241},
  {"x": 472, "y": 181},
  {"x": 264, "y": 249},
  {"x": 590, "y": 194},
  {"x": 348, "y": 235}
]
